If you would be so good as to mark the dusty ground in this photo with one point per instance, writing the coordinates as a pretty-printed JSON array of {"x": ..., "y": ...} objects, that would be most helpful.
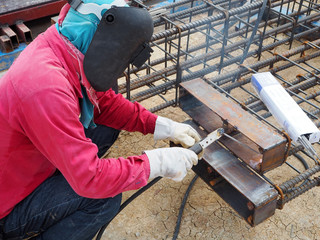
[{"x": 153, "y": 215}]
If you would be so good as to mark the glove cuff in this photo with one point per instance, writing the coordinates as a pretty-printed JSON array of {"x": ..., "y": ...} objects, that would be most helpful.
[
  {"x": 155, "y": 164},
  {"x": 164, "y": 128}
]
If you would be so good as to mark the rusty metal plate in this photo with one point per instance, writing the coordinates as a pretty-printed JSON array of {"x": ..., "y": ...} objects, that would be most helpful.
[{"x": 212, "y": 110}]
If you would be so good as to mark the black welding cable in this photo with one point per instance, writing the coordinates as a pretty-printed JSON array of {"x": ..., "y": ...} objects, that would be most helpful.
[
  {"x": 183, "y": 204},
  {"x": 126, "y": 203},
  {"x": 306, "y": 166},
  {"x": 139, "y": 192},
  {"x": 301, "y": 159}
]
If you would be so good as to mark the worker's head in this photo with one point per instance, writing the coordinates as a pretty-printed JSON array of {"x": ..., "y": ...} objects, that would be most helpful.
[{"x": 111, "y": 34}]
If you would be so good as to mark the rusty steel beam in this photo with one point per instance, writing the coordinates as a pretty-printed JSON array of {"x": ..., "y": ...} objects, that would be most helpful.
[
  {"x": 5, "y": 43},
  {"x": 11, "y": 37},
  {"x": 6, "y": 30},
  {"x": 263, "y": 148},
  {"x": 252, "y": 197},
  {"x": 23, "y": 32},
  {"x": 31, "y": 12}
]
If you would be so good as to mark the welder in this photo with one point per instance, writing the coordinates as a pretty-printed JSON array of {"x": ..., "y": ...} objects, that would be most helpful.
[{"x": 59, "y": 114}]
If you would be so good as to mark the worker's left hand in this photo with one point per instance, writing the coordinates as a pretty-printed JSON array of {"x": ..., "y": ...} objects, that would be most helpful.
[{"x": 179, "y": 133}]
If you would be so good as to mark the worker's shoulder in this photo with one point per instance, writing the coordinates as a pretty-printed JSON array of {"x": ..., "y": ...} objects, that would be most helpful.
[
  {"x": 29, "y": 80},
  {"x": 37, "y": 66},
  {"x": 38, "y": 58}
]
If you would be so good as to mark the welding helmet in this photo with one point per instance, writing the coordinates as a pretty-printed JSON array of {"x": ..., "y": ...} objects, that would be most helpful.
[{"x": 121, "y": 39}]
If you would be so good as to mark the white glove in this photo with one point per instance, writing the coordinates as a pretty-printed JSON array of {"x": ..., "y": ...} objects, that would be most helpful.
[
  {"x": 179, "y": 133},
  {"x": 172, "y": 163}
]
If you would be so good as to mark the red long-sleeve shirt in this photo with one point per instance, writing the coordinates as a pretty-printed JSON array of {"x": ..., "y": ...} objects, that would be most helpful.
[{"x": 40, "y": 129}]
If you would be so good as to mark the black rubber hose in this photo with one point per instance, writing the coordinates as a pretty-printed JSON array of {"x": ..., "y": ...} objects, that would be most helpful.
[
  {"x": 183, "y": 204},
  {"x": 126, "y": 203}
]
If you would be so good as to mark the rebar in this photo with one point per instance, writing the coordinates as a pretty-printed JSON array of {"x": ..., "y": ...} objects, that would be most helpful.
[
  {"x": 298, "y": 191},
  {"x": 301, "y": 177},
  {"x": 216, "y": 41}
]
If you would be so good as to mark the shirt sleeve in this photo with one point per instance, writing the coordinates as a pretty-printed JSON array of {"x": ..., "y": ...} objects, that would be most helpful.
[
  {"x": 50, "y": 120},
  {"x": 120, "y": 113}
]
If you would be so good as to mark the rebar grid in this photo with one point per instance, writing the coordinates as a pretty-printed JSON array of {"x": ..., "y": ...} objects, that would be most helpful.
[{"x": 224, "y": 43}]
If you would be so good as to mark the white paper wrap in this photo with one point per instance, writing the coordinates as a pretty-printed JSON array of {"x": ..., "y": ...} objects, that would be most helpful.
[{"x": 282, "y": 106}]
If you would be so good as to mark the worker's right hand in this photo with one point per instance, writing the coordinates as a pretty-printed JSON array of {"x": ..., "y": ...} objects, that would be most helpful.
[{"x": 172, "y": 163}]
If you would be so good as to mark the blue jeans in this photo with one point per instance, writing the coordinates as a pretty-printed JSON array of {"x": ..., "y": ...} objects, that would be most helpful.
[{"x": 54, "y": 211}]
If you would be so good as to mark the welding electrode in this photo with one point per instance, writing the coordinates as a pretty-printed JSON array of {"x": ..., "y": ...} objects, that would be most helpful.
[{"x": 212, "y": 137}]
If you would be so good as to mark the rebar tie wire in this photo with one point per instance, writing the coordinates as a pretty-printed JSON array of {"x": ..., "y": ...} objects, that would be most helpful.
[
  {"x": 253, "y": 33},
  {"x": 225, "y": 29}
]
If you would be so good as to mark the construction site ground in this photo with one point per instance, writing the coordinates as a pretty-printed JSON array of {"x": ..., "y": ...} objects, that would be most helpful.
[{"x": 153, "y": 214}]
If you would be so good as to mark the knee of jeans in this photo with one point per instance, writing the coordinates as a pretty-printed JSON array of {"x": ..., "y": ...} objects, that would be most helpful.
[{"x": 106, "y": 208}]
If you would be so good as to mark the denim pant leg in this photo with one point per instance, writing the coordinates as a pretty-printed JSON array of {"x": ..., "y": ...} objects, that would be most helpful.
[{"x": 55, "y": 211}]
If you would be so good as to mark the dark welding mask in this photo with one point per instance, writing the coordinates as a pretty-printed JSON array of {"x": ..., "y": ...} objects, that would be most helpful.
[{"x": 121, "y": 39}]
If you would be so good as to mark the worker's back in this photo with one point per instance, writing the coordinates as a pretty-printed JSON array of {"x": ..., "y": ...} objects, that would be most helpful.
[{"x": 26, "y": 89}]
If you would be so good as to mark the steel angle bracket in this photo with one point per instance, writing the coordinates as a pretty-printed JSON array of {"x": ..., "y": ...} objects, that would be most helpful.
[
  {"x": 252, "y": 197},
  {"x": 262, "y": 147}
]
